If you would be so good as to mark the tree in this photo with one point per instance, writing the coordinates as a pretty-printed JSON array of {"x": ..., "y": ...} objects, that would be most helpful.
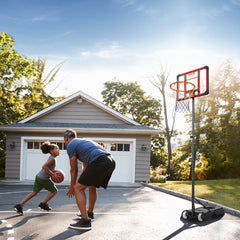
[
  {"x": 129, "y": 99},
  {"x": 36, "y": 98},
  {"x": 222, "y": 122},
  {"x": 22, "y": 87},
  {"x": 15, "y": 70},
  {"x": 160, "y": 81},
  {"x": 217, "y": 124}
]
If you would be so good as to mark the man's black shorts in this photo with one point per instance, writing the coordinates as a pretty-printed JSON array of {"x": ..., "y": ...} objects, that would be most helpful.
[{"x": 99, "y": 172}]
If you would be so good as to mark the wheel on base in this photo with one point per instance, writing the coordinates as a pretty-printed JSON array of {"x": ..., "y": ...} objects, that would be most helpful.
[
  {"x": 185, "y": 215},
  {"x": 200, "y": 217}
]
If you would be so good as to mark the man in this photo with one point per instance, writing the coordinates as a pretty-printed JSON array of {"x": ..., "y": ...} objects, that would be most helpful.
[{"x": 98, "y": 166}]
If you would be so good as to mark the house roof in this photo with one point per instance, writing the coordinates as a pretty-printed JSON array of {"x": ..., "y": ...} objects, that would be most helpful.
[
  {"x": 129, "y": 127},
  {"x": 82, "y": 127},
  {"x": 86, "y": 97}
]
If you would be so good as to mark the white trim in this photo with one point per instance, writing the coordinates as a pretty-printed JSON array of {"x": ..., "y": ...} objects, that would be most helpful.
[
  {"x": 151, "y": 132},
  {"x": 132, "y": 140},
  {"x": 86, "y": 97}
]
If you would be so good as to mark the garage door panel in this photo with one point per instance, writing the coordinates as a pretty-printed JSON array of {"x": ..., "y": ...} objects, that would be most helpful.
[
  {"x": 122, "y": 172},
  {"x": 63, "y": 164},
  {"x": 34, "y": 164}
]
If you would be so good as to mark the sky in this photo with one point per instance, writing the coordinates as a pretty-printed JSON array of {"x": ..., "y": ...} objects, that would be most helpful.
[{"x": 126, "y": 39}]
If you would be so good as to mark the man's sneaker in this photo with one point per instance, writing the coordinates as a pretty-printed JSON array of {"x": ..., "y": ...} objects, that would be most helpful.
[
  {"x": 90, "y": 215},
  {"x": 44, "y": 206},
  {"x": 18, "y": 209},
  {"x": 82, "y": 224}
]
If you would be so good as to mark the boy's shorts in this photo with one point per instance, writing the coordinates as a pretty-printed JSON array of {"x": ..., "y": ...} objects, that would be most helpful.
[
  {"x": 39, "y": 184},
  {"x": 99, "y": 172}
]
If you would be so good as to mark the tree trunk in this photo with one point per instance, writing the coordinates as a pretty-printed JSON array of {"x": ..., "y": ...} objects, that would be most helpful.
[{"x": 168, "y": 134}]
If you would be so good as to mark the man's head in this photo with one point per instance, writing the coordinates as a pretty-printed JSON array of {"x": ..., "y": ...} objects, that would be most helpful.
[{"x": 69, "y": 135}]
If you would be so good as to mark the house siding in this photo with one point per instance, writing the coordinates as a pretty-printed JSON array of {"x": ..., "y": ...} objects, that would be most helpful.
[
  {"x": 12, "y": 169},
  {"x": 79, "y": 113}
]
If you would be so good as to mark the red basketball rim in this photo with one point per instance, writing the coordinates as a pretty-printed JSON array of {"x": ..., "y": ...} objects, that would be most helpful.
[{"x": 185, "y": 84}]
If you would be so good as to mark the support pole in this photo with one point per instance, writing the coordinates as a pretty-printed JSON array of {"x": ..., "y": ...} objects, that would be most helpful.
[{"x": 193, "y": 158}]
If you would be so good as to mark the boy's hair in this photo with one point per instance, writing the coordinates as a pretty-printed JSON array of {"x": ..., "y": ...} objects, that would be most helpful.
[
  {"x": 46, "y": 147},
  {"x": 70, "y": 133}
]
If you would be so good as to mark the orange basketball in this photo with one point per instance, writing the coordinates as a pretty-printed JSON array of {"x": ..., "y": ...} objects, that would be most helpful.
[{"x": 60, "y": 175}]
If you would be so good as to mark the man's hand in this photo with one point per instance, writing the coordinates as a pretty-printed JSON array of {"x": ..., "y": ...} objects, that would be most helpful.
[{"x": 70, "y": 192}]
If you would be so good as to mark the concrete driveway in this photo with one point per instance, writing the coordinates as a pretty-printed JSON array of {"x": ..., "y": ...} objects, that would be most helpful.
[{"x": 129, "y": 212}]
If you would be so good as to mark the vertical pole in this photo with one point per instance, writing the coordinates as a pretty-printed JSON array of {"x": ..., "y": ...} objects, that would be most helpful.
[{"x": 193, "y": 157}]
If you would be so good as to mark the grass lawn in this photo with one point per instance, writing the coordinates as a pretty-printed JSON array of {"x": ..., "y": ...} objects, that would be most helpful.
[{"x": 225, "y": 191}]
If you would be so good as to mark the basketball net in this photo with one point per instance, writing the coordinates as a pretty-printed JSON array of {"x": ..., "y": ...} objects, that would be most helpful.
[
  {"x": 182, "y": 106},
  {"x": 183, "y": 95}
]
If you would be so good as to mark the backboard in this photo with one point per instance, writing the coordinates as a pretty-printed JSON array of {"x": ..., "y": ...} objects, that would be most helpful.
[{"x": 192, "y": 84}]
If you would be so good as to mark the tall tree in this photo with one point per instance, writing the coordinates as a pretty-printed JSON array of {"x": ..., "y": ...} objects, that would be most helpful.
[
  {"x": 36, "y": 98},
  {"x": 15, "y": 70},
  {"x": 22, "y": 87},
  {"x": 217, "y": 123},
  {"x": 160, "y": 81},
  {"x": 129, "y": 99}
]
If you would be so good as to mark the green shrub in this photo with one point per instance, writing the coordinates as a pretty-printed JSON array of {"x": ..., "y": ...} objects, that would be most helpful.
[
  {"x": 158, "y": 175},
  {"x": 158, "y": 179}
]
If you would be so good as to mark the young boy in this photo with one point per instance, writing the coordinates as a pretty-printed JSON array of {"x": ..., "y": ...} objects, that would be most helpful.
[{"x": 42, "y": 179}]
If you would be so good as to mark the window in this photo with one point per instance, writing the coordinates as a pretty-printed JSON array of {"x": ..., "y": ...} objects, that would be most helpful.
[
  {"x": 103, "y": 145},
  {"x": 30, "y": 145},
  {"x": 120, "y": 147},
  {"x": 37, "y": 145}
]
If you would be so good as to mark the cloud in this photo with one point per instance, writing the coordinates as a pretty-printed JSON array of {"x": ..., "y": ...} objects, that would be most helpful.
[
  {"x": 67, "y": 33},
  {"x": 140, "y": 7},
  {"x": 40, "y": 18},
  {"x": 112, "y": 51},
  {"x": 48, "y": 16},
  {"x": 215, "y": 12},
  {"x": 235, "y": 2},
  {"x": 126, "y": 3}
]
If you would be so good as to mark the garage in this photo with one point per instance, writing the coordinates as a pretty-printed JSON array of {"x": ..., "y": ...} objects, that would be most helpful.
[
  {"x": 121, "y": 149},
  {"x": 128, "y": 141}
]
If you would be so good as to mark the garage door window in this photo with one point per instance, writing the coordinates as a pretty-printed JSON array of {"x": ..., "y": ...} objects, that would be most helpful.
[
  {"x": 37, "y": 145},
  {"x": 120, "y": 147},
  {"x": 103, "y": 145}
]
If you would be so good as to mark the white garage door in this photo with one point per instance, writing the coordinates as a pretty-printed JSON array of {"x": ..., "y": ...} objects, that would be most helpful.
[{"x": 122, "y": 152}]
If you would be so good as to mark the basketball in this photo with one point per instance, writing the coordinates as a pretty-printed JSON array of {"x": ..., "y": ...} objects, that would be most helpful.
[{"x": 60, "y": 175}]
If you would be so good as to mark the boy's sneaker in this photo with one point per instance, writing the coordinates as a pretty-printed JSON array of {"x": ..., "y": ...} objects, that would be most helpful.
[
  {"x": 82, "y": 224},
  {"x": 90, "y": 215},
  {"x": 18, "y": 209},
  {"x": 44, "y": 206}
]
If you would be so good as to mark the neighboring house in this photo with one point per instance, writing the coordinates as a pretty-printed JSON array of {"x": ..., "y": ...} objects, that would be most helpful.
[{"x": 128, "y": 141}]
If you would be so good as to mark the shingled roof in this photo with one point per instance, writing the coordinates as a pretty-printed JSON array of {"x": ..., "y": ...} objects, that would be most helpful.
[
  {"x": 83, "y": 127},
  {"x": 29, "y": 125}
]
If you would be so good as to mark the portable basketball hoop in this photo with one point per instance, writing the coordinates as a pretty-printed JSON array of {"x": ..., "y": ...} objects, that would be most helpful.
[
  {"x": 185, "y": 91},
  {"x": 189, "y": 85}
]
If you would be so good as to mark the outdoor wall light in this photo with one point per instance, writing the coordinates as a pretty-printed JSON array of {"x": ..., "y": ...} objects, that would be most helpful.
[
  {"x": 79, "y": 101},
  {"x": 12, "y": 145},
  {"x": 144, "y": 147}
]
